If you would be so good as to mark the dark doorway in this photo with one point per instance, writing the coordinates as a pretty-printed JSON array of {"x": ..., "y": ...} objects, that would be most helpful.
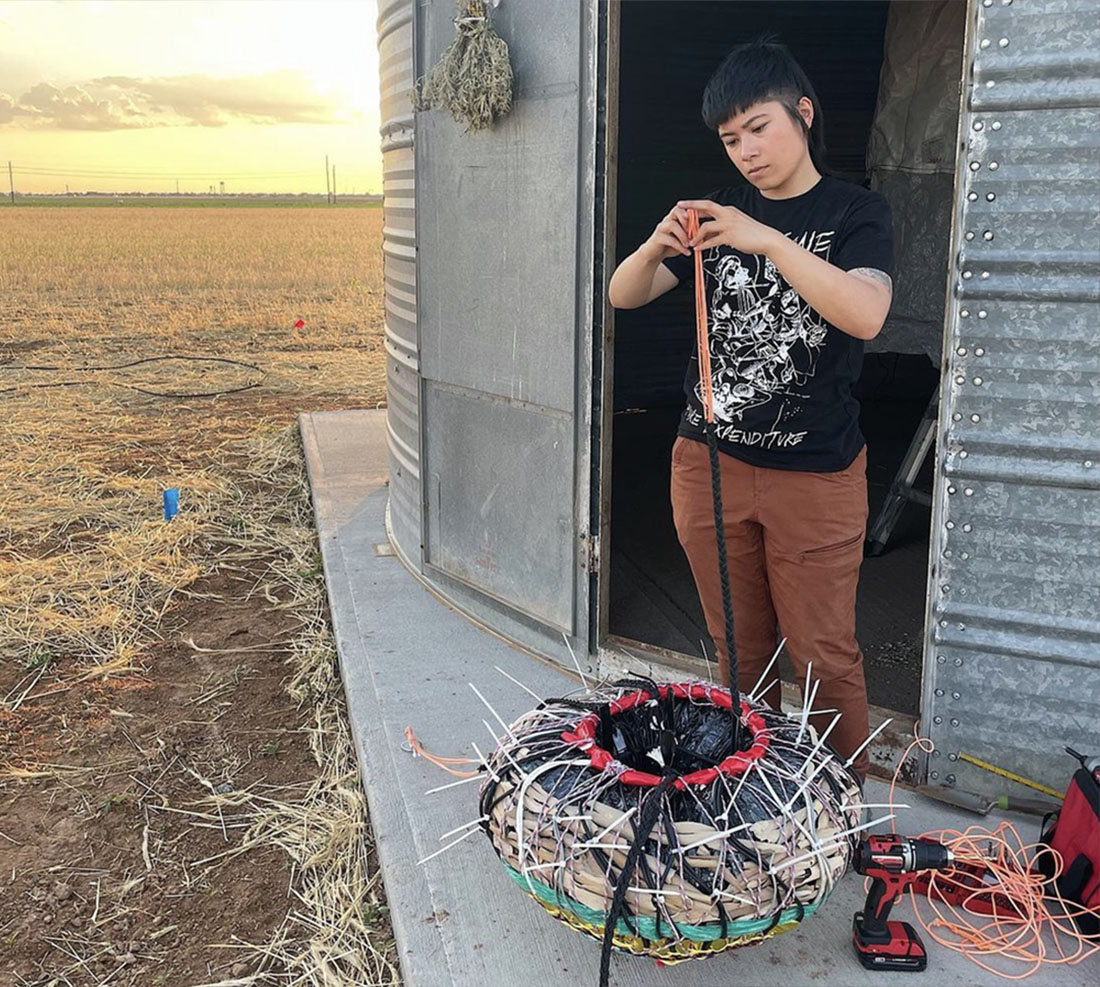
[{"x": 667, "y": 53}]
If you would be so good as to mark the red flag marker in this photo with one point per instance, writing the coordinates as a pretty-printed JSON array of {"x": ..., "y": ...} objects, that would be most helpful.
[{"x": 300, "y": 324}]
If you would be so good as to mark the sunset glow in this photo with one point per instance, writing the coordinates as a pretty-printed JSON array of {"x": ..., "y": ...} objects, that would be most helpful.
[{"x": 140, "y": 96}]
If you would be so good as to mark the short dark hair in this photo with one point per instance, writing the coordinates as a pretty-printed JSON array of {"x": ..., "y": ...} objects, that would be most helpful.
[{"x": 757, "y": 72}]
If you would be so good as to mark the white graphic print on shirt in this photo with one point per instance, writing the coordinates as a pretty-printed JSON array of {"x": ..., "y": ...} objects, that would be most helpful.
[{"x": 765, "y": 341}]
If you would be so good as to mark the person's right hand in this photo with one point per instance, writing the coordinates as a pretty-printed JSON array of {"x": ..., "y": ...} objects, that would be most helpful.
[{"x": 670, "y": 237}]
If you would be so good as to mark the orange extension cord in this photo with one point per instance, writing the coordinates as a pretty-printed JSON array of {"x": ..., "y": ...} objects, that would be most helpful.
[
  {"x": 701, "y": 341},
  {"x": 440, "y": 762},
  {"x": 1016, "y": 937}
]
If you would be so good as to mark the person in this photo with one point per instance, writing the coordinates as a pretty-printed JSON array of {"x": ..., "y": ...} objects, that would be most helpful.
[{"x": 797, "y": 269}]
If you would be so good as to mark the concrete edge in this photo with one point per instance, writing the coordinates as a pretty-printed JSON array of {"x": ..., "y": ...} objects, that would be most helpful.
[{"x": 407, "y": 890}]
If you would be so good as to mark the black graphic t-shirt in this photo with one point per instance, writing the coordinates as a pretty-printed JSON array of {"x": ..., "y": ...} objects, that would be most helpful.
[{"x": 781, "y": 375}]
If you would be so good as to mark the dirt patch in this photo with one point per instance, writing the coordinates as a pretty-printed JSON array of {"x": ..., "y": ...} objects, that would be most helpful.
[{"x": 179, "y": 798}]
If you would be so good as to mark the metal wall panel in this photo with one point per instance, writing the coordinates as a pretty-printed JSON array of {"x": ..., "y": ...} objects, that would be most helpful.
[
  {"x": 396, "y": 74},
  {"x": 498, "y": 221},
  {"x": 1012, "y": 663},
  {"x": 505, "y": 316},
  {"x": 520, "y": 553}
]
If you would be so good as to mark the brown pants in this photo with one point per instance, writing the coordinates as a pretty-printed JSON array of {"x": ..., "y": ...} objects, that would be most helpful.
[{"x": 794, "y": 542}]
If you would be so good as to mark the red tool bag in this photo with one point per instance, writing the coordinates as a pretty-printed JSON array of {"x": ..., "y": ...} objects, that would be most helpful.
[{"x": 1075, "y": 833}]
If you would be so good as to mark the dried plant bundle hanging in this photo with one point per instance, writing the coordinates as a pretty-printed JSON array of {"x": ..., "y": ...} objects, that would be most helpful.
[{"x": 473, "y": 78}]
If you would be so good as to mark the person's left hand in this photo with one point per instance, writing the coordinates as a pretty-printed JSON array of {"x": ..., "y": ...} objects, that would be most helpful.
[{"x": 730, "y": 226}]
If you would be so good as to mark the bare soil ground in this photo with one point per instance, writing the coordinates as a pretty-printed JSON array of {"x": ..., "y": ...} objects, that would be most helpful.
[{"x": 179, "y": 797}]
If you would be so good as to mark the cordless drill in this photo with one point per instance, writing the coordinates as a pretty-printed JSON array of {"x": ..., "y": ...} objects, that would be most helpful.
[{"x": 893, "y": 863}]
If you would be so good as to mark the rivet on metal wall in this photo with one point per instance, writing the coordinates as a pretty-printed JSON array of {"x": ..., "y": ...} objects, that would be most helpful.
[
  {"x": 937, "y": 719},
  {"x": 987, "y": 3},
  {"x": 1003, "y": 43},
  {"x": 941, "y": 659},
  {"x": 935, "y": 753},
  {"x": 969, "y": 491},
  {"x": 990, "y": 84},
  {"x": 969, "y": 235},
  {"x": 963, "y": 591},
  {"x": 982, "y": 313},
  {"x": 987, "y": 235},
  {"x": 939, "y": 692},
  {"x": 1006, "y": 3},
  {"x": 954, "y": 723},
  {"x": 990, "y": 196},
  {"x": 965, "y": 313},
  {"x": 993, "y": 166},
  {"x": 985, "y": 43},
  {"x": 960, "y": 380},
  {"x": 967, "y": 527},
  {"x": 950, "y": 779},
  {"x": 950, "y": 525},
  {"x": 947, "y": 553},
  {"x": 956, "y": 696},
  {"x": 964, "y": 557},
  {"x": 956, "y": 417},
  {"x": 975, "y": 165},
  {"x": 979, "y": 351},
  {"x": 943, "y": 623},
  {"x": 958, "y": 663},
  {"x": 996, "y": 124},
  {"x": 934, "y": 775},
  {"x": 978, "y": 125},
  {"x": 950, "y": 490},
  {"x": 975, "y": 418},
  {"x": 967, "y": 275},
  {"x": 952, "y": 756},
  {"x": 945, "y": 588},
  {"x": 977, "y": 382},
  {"x": 972, "y": 196},
  {"x": 985, "y": 275},
  {"x": 961, "y": 351},
  {"x": 1088, "y": 464},
  {"x": 963, "y": 454},
  {"x": 961, "y": 627}
]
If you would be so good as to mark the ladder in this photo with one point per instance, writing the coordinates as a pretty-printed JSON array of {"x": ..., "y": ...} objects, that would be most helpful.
[{"x": 902, "y": 490}]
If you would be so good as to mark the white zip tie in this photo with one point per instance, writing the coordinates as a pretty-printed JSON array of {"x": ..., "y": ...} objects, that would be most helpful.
[
  {"x": 529, "y": 692},
  {"x": 489, "y": 707},
  {"x": 458, "y": 829},
  {"x": 430, "y": 856},
  {"x": 767, "y": 668},
  {"x": 576, "y": 664}
]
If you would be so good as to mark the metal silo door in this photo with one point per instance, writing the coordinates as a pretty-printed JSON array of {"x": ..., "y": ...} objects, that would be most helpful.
[{"x": 505, "y": 232}]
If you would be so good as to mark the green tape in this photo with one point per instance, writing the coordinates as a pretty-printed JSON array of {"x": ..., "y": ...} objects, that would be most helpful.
[{"x": 647, "y": 927}]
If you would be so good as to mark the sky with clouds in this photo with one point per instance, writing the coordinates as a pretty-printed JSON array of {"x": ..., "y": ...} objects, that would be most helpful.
[{"x": 137, "y": 95}]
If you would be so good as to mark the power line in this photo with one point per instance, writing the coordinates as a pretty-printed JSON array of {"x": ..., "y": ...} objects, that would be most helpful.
[{"x": 103, "y": 173}]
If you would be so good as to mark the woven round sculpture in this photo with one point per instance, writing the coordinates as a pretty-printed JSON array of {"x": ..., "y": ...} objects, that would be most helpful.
[{"x": 738, "y": 846}]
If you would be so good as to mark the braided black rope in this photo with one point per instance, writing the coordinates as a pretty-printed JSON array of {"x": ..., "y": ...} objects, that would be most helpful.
[
  {"x": 724, "y": 573},
  {"x": 651, "y": 811}
]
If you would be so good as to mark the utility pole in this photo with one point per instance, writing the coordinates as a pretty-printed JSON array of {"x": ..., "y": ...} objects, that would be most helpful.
[
  {"x": 328, "y": 188},
  {"x": 11, "y": 184},
  {"x": 334, "y": 183},
  {"x": 177, "y": 186}
]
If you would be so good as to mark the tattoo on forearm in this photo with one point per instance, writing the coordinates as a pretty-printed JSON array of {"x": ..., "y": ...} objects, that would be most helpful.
[{"x": 875, "y": 275}]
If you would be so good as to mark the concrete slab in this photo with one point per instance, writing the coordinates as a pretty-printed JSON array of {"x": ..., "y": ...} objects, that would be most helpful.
[{"x": 406, "y": 659}]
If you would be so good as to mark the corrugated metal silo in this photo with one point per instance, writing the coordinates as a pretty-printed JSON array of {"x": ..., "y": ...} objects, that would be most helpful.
[
  {"x": 396, "y": 76},
  {"x": 1012, "y": 666}
]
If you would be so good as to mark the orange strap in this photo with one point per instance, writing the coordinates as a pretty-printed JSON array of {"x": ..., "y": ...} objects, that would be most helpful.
[{"x": 701, "y": 340}]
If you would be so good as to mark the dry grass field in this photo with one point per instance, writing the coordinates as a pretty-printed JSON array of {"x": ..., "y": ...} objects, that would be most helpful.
[{"x": 179, "y": 797}]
